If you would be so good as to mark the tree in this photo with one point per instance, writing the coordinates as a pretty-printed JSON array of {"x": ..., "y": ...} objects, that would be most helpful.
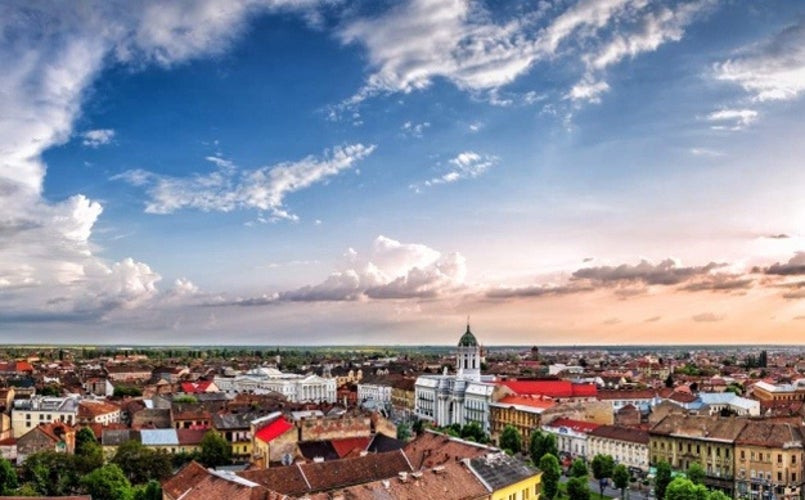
[
  {"x": 475, "y": 432},
  {"x": 578, "y": 488},
  {"x": 661, "y": 479},
  {"x": 669, "y": 381},
  {"x": 602, "y": 466},
  {"x": 8, "y": 477},
  {"x": 51, "y": 473},
  {"x": 684, "y": 489},
  {"x": 141, "y": 464},
  {"x": 419, "y": 426},
  {"x": 511, "y": 440},
  {"x": 718, "y": 495},
  {"x": 403, "y": 432},
  {"x": 215, "y": 450},
  {"x": 542, "y": 444},
  {"x": 696, "y": 473},
  {"x": 149, "y": 491},
  {"x": 82, "y": 437},
  {"x": 620, "y": 476},
  {"x": 579, "y": 469},
  {"x": 551, "y": 473},
  {"x": 107, "y": 483}
]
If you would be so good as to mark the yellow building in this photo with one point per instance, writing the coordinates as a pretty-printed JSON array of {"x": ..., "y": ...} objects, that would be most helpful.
[
  {"x": 768, "y": 461},
  {"x": 682, "y": 440},
  {"x": 522, "y": 412},
  {"x": 507, "y": 477}
]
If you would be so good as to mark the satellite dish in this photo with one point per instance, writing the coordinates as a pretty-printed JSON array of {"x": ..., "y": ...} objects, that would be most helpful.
[{"x": 287, "y": 459}]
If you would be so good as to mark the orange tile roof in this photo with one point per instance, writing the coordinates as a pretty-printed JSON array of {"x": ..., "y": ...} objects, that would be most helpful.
[
  {"x": 532, "y": 401},
  {"x": 345, "y": 446}
]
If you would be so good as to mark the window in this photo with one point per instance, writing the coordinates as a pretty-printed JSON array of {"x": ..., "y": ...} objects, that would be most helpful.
[
  {"x": 793, "y": 477},
  {"x": 793, "y": 459},
  {"x": 779, "y": 476},
  {"x": 743, "y": 454}
]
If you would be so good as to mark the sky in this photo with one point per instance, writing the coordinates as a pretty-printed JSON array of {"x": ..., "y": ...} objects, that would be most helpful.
[{"x": 288, "y": 172}]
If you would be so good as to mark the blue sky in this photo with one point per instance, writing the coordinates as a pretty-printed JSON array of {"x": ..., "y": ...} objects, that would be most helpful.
[{"x": 294, "y": 171}]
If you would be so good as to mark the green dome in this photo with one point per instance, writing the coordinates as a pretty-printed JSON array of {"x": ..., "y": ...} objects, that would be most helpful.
[{"x": 468, "y": 339}]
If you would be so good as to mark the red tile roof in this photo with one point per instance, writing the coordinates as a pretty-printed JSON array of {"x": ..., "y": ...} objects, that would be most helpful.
[
  {"x": 552, "y": 388},
  {"x": 346, "y": 446},
  {"x": 531, "y": 401},
  {"x": 274, "y": 430},
  {"x": 24, "y": 366},
  {"x": 576, "y": 425},
  {"x": 195, "y": 387}
]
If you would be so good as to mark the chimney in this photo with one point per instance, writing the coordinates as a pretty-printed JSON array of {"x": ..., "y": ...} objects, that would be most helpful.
[{"x": 403, "y": 476}]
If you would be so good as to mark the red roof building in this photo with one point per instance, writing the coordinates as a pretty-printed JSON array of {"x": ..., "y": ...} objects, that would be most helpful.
[
  {"x": 557, "y": 389},
  {"x": 273, "y": 430}
]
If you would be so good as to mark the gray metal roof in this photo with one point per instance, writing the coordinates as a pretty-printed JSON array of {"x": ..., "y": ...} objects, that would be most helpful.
[
  {"x": 499, "y": 470},
  {"x": 159, "y": 437}
]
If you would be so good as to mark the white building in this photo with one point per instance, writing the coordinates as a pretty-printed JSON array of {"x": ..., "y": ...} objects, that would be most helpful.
[
  {"x": 295, "y": 388},
  {"x": 28, "y": 413},
  {"x": 571, "y": 435},
  {"x": 374, "y": 392},
  {"x": 626, "y": 445},
  {"x": 456, "y": 399},
  {"x": 718, "y": 401}
]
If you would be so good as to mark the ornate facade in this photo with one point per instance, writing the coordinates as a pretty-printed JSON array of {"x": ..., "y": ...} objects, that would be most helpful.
[{"x": 456, "y": 399}]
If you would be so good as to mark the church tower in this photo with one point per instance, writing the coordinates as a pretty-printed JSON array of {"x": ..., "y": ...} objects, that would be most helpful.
[{"x": 468, "y": 358}]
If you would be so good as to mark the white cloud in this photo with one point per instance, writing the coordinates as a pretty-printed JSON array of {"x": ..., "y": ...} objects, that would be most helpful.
[
  {"x": 705, "y": 152},
  {"x": 771, "y": 71},
  {"x": 391, "y": 270},
  {"x": 414, "y": 129},
  {"x": 228, "y": 188},
  {"x": 732, "y": 119},
  {"x": 416, "y": 42},
  {"x": 466, "y": 165},
  {"x": 587, "y": 91},
  {"x": 50, "y": 56},
  {"x": 98, "y": 137}
]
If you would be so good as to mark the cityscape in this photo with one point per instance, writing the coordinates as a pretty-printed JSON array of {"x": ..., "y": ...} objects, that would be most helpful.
[{"x": 413, "y": 249}]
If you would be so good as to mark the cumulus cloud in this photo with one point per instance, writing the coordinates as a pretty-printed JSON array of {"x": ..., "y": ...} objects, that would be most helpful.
[
  {"x": 771, "y": 71},
  {"x": 390, "y": 270},
  {"x": 536, "y": 291},
  {"x": 229, "y": 188},
  {"x": 98, "y": 137},
  {"x": 732, "y": 119},
  {"x": 467, "y": 165},
  {"x": 794, "y": 266},
  {"x": 50, "y": 56},
  {"x": 416, "y": 42}
]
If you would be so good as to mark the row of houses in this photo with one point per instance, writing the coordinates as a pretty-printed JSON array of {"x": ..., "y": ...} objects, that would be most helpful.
[{"x": 431, "y": 466}]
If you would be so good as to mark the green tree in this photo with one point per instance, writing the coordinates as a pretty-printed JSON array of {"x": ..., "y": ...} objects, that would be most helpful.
[
  {"x": 8, "y": 477},
  {"x": 215, "y": 450},
  {"x": 620, "y": 476},
  {"x": 511, "y": 440},
  {"x": 696, "y": 473},
  {"x": 661, "y": 479},
  {"x": 82, "y": 437},
  {"x": 684, "y": 489},
  {"x": 107, "y": 483},
  {"x": 141, "y": 464},
  {"x": 579, "y": 469},
  {"x": 578, "y": 488},
  {"x": 602, "y": 466},
  {"x": 419, "y": 426},
  {"x": 51, "y": 473},
  {"x": 403, "y": 432},
  {"x": 542, "y": 444},
  {"x": 551, "y": 473},
  {"x": 718, "y": 495},
  {"x": 149, "y": 491},
  {"x": 475, "y": 432}
]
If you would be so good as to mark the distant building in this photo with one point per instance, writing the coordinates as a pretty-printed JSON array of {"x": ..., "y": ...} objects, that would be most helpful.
[
  {"x": 456, "y": 399},
  {"x": 29, "y": 413},
  {"x": 295, "y": 388}
]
